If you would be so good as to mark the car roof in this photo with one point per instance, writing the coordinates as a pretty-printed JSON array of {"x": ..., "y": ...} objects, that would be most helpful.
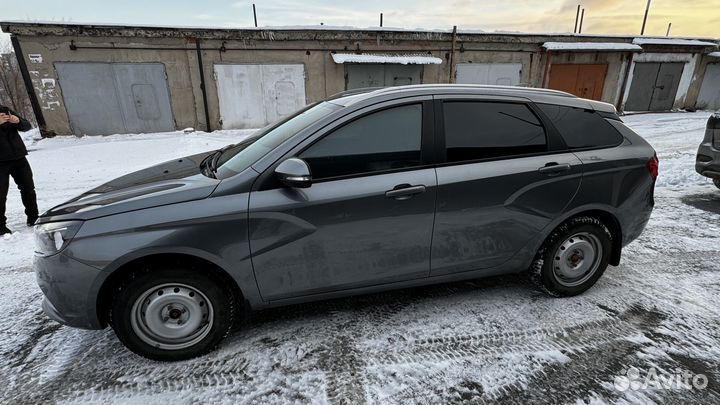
[{"x": 537, "y": 95}]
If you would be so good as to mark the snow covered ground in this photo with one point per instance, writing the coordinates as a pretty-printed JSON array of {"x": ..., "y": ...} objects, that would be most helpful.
[{"x": 488, "y": 341}]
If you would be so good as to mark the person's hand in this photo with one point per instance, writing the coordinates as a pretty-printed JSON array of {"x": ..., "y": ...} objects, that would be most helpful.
[{"x": 9, "y": 118}]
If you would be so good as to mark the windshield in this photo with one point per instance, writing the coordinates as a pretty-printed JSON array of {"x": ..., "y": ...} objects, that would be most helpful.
[{"x": 239, "y": 157}]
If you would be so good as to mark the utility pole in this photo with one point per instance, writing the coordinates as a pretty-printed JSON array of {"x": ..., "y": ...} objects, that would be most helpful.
[
  {"x": 582, "y": 17},
  {"x": 254, "y": 15},
  {"x": 577, "y": 18},
  {"x": 381, "y": 19},
  {"x": 667, "y": 34},
  {"x": 647, "y": 9},
  {"x": 452, "y": 54}
]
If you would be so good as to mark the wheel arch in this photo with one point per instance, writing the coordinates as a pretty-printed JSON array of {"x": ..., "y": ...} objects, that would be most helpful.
[
  {"x": 608, "y": 219},
  {"x": 121, "y": 271}
]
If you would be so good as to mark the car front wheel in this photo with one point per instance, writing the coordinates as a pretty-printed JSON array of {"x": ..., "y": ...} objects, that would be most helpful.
[
  {"x": 172, "y": 314},
  {"x": 573, "y": 257}
]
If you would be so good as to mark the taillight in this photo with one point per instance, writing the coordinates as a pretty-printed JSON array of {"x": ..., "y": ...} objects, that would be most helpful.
[{"x": 653, "y": 166}]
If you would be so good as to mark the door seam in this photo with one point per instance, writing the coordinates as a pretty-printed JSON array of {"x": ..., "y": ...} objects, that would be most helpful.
[{"x": 432, "y": 230}]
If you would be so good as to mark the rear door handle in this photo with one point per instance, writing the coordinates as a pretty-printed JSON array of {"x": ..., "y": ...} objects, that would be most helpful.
[
  {"x": 404, "y": 191},
  {"x": 554, "y": 168}
]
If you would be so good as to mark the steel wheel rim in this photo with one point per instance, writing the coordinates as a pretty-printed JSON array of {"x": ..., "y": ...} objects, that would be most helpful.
[
  {"x": 577, "y": 259},
  {"x": 172, "y": 316}
]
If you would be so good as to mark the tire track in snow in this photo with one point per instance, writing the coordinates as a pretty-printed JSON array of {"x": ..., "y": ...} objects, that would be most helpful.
[
  {"x": 574, "y": 340},
  {"x": 563, "y": 338}
]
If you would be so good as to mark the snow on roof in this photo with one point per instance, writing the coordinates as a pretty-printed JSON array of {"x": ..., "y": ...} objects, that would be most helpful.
[
  {"x": 234, "y": 26},
  {"x": 714, "y": 54},
  {"x": 591, "y": 46},
  {"x": 399, "y": 59},
  {"x": 672, "y": 41}
]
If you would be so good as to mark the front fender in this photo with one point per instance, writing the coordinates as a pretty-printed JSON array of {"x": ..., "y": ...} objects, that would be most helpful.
[{"x": 214, "y": 229}]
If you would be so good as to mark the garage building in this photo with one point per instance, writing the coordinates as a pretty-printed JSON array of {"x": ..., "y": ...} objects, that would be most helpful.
[{"x": 104, "y": 79}]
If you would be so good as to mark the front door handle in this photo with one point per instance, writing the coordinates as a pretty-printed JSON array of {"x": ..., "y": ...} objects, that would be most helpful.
[
  {"x": 554, "y": 168},
  {"x": 404, "y": 191}
]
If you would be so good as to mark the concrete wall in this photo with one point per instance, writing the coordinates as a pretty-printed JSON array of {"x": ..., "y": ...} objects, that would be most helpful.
[
  {"x": 323, "y": 76},
  {"x": 41, "y": 53},
  {"x": 43, "y": 45}
]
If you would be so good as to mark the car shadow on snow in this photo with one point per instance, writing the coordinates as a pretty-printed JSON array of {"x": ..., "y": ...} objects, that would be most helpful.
[
  {"x": 709, "y": 202},
  {"x": 387, "y": 302}
]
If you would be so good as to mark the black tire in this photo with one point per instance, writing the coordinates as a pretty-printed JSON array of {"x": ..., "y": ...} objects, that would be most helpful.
[
  {"x": 546, "y": 273},
  {"x": 212, "y": 304},
  {"x": 716, "y": 182}
]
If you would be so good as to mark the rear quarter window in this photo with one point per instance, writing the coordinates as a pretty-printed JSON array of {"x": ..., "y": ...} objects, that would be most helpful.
[{"x": 581, "y": 128}]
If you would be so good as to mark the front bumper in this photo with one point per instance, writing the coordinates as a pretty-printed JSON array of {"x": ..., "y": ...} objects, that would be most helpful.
[{"x": 70, "y": 288}]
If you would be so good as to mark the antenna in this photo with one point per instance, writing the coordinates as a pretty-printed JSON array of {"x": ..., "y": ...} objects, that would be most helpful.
[
  {"x": 582, "y": 17},
  {"x": 381, "y": 16},
  {"x": 254, "y": 15},
  {"x": 667, "y": 34}
]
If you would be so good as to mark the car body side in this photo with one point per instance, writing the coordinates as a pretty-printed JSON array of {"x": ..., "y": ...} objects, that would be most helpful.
[
  {"x": 612, "y": 183},
  {"x": 707, "y": 162}
]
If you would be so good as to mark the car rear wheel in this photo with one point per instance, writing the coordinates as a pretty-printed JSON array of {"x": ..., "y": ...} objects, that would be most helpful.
[
  {"x": 573, "y": 258},
  {"x": 716, "y": 182},
  {"x": 172, "y": 313}
]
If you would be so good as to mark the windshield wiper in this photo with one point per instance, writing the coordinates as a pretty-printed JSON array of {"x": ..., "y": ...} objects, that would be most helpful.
[
  {"x": 204, "y": 166},
  {"x": 209, "y": 165}
]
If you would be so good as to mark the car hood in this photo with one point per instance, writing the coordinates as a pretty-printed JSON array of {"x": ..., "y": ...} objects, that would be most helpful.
[{"x": 171, "y": 182}]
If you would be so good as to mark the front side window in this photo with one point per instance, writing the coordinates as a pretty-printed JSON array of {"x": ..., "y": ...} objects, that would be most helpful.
[
  {"x": 385, "y": 140},
  {"x": 480, "y": 130},
  {"x": 240, "y": 156}
]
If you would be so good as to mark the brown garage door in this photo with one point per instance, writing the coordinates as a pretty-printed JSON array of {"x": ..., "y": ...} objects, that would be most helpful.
[{"x": 582, "y": 80}]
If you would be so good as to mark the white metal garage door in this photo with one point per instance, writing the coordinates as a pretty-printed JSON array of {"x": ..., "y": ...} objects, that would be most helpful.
[
  {"x": 709, "y": 97},
  {"x": 116, "y": 98},
  {"x": 504, "y": 74},
  {"x": 252, "y": 96},
  {"x": 360, "y": 75}
]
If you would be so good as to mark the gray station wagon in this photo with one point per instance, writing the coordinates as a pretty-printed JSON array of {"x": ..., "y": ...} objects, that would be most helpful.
[{"x": 369, "y": 190}]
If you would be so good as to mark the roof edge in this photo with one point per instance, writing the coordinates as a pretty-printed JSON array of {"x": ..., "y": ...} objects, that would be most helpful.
[{"x": 90, "y": 29}]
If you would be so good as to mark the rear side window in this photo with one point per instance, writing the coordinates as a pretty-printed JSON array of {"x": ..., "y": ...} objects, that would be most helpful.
[
  {"x": 479, "y": 130},
  {"x": 581, "y": 128},
  {"x": 385, "y": 140}
]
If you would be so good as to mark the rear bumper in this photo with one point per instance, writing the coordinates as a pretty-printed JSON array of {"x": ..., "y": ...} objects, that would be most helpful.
[
  {"x": 636, "y": 225},
  {"x": 70, "y": 290},
  {"x": 635, "y": 213}
]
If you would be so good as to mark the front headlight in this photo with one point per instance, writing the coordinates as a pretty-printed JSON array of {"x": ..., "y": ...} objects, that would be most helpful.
[{"x": 52, "y": 237}]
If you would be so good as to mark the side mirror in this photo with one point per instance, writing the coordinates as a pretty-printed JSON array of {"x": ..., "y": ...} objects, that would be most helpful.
[{"x": 294, "y": 172}]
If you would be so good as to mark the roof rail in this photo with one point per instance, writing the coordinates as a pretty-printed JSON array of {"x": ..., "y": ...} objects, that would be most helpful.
[{"x": 476, "y": 87}]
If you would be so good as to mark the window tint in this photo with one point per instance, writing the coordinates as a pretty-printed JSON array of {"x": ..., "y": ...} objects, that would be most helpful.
[
  {"x": 581, "y": 128},
  {"x": 388, "y": 139},
  {"x": 479, "y": 130},
  {"x": 242, "y": 155}
]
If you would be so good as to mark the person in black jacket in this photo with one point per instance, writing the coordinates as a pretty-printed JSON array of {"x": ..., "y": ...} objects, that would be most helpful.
[{"x": 13, "y": 163}]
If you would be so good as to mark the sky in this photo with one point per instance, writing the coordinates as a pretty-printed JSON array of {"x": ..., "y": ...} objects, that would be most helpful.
[{"x": 699, "y": 18}]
